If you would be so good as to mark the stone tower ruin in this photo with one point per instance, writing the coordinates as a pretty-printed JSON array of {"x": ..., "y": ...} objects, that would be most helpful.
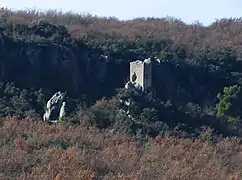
[{"x": 141, "y": 73}]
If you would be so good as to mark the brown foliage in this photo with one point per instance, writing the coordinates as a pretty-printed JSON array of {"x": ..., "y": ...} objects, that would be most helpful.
[
  {"x": 222, "y": 32},
  {"x": 34, "y": 150}
]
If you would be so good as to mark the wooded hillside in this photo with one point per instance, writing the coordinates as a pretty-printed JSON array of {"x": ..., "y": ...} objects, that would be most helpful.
[{"x": 196, "y": 89}]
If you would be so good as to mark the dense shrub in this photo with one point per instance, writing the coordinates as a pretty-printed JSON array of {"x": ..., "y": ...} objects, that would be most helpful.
[{"x": 35, "y": 150}]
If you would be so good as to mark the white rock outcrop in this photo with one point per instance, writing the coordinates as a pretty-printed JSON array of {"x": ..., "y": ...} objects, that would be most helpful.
[{"x": 55, "y": 108}]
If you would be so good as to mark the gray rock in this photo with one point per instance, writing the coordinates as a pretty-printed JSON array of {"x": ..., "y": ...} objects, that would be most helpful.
[{"x": 55, "y": 108}]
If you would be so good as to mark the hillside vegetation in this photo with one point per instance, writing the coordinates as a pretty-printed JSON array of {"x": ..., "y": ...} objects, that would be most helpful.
[
  {"x": 193, "y": 106},
  {"x": 34, "y": 150}
]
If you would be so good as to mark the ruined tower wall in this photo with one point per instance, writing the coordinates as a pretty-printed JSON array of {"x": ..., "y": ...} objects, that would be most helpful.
[
  {"x": 143, "y": 72},
  {"x": 137, "y": 67}
]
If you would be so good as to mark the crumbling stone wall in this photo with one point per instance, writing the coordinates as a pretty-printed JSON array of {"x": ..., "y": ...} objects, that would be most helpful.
[{"x": 142, "y": 71}]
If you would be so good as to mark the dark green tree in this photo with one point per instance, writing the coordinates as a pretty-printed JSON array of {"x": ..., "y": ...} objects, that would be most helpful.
[{"x": 229, "y": 103}]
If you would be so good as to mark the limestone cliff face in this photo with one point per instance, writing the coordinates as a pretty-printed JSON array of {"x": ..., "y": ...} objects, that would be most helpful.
[{"x": 54, "y": 66}]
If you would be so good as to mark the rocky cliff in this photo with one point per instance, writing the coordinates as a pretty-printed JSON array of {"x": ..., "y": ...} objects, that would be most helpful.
[{"x": 53, "y": 62}]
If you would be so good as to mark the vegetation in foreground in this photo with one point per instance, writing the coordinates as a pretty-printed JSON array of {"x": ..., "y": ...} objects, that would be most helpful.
[{"x": 34, "y": 150}]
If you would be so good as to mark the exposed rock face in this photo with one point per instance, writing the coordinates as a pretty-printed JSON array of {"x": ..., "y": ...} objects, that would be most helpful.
[
  {"x": 53, "y": 61},
  {"x": 62, "y": 111},
  {"x": 55, "y": 108},
  {"x": 52, "y": 66},
  {"x": 102, "y": 64}
]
